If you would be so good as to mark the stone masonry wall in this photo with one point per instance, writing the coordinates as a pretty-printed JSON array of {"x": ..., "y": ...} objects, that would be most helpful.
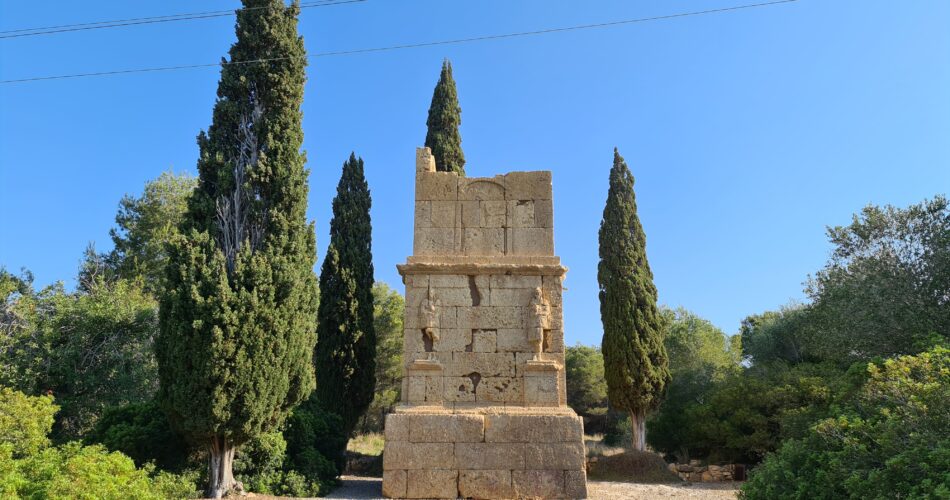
[{"x": 484, "y": 410}]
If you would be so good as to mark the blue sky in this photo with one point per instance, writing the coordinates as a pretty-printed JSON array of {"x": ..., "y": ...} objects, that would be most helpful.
[{"x": 748, "y": 132}]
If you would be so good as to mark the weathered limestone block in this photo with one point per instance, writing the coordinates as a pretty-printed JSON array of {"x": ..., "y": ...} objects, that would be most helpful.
[
  {"x": 532, "y": 241},
  {"x": 486, "y": 364},
  {"x": 511, "y": 296},
  {"x": 446, "y": 428},
  {"x": 423, "y": 213},
  {"x": 543, "y": 213},
  {"x": 538, "y": 483},
  {"x": 481, "y": 188},
  {"x": 485, "y": 484},
  {"x": 442, "y": 213},
  {"x": 498, "y": 317},
  {"x": 554, "y": 456},
  {"x": 407, "y": 455},
  {"x": 432, "y": 483},
  {"x": 521, "y": 213},
  {"x": 514, "y": 281},
  {"x": 437, "y": 186},
  {"x": 492, "y": 213},
  {"x": 475, "y": 456},
  {"x": 575, "y": 483},
  {"x": 459, "y": 389},
  {"x": 514, "y": 428},
  {"x": 512, "y": 340},
  {"x": 484, "y": 340},
  {"x": 433, "y": 241},
  {"x": 448, "y": 281},
  {"x": 483, "y": 241},
  {"x": 500, "y": 390},
  {"x": 397, "y": 427},
  {"x": 452, "y": 340},
  {"x": 528, "y": 185},
  {"x": 394, "y": 484}
]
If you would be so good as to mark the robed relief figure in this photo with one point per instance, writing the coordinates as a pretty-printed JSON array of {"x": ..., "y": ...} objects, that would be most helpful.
[{"x": 540, "y": 311}]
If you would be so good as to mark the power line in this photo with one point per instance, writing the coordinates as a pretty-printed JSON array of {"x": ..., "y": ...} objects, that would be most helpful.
[
  {"x": 48, "y": 30},
  {"x": 411, "y": 45}
]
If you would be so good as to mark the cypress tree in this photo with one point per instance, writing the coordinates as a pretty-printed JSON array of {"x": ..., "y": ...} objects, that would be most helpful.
[
  {"x": 445, "y": 116},
  {"x": 636, "y": 365},
  {"x": 345, "y": 356},
  {"x": 237, "y": 320}
]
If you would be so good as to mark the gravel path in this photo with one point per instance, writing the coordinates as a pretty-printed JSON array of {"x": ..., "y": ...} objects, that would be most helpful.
[{"x": 363, "y": 488}]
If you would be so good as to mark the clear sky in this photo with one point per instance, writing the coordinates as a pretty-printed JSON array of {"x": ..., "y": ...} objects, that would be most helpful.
[{"x": 748, "y": 132}]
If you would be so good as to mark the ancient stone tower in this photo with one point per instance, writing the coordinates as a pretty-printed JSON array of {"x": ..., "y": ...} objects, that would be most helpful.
[{"x": 483, "y": 411}]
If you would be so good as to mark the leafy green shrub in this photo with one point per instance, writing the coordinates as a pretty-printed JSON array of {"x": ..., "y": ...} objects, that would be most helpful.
[
  {"x": 142, "y": 432},
  {"x": 893, "y": 442},
  {"x": 25, "y": 421},
  {"x": 75, "y": 471},
  {"x": 314, "y": 440},
  {"x": 30, "y": 468}
]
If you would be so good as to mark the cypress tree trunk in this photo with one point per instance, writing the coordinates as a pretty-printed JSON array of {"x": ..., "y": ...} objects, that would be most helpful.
[
  {"x": 635, "y": 360},
  {"x": 220, "y": 477},
  {"x": 445, "y": 116},
  {"x": 638, "y": 430}
]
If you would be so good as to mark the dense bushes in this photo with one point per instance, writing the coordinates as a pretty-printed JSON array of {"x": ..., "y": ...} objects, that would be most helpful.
[
  {"x": 30, "y": 468},
  {"x": 891, "y": 442},
  {"x": 314, "y": 440},
  {"x": 142, "y": 432}
]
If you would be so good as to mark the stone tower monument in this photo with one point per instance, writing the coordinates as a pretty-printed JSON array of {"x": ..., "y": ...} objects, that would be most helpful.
[{"x": 483, "y": 411}]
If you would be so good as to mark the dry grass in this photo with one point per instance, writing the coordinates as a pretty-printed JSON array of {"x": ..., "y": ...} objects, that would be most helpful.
[
  {"x": 367, "y": 444},
  {"x": 609, "y": 463},
  {"x": 597, "y": 448}
]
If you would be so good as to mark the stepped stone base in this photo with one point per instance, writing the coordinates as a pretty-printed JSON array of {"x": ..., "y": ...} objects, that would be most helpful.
[{"x": 484, "y": 452}]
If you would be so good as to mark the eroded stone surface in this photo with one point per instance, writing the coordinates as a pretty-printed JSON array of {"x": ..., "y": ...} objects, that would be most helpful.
[{"x": 483, "y": 411}]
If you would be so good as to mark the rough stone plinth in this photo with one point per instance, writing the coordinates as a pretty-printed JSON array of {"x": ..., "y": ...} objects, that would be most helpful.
[{"x": 484, "y": 409}]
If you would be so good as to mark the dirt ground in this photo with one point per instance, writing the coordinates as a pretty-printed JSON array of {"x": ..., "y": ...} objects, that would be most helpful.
[{"x": 362, "y": 488}]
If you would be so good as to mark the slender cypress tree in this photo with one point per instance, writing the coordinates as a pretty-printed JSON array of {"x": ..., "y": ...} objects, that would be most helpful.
[
  {"x": 345, "y": 356},
  {"x": 445, "y": 116},
  {"x": 636, "y": 365},
  {"x": 237, "y": 320}
]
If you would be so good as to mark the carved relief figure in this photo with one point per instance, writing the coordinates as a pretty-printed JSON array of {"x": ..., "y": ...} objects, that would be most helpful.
[
  {"x": 540, "y": 321},
  {"x": 428, "y": 318}
]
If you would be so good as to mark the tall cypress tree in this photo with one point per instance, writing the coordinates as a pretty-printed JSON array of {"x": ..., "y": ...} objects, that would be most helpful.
[
  {"x": 636, "y": 365},
  {"x": 237, "y": 320},
  {"x": 345, "y": 356},
  {"x": 445, "y": 116}
]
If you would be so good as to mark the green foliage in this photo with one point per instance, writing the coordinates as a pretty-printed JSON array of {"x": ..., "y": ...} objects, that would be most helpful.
[
  {"x": 388, "y": 308},
  {"x": 891, "y": 443},
  {"x": 345, "y": 356},
  {"x": 239, "y": 308},
  {"x": 700, "y": 356},
  {"x": 445, "y": 116},
  {"x": 778, "y": 336},
  {"x": 25, "y": 421},
  {"x": 146, "y": 224},
  {"x": 91, "y": 349},
  {"x": 142, "y": 432},
  {"x": 586, "y": 387},
  {"x": 29, "y": 468},
  {"x": 262, "y": 455},
  {"x": 883, "y": 293},
  {"x": 314, "y": 439},
  {"x": 635, "y": 359}
]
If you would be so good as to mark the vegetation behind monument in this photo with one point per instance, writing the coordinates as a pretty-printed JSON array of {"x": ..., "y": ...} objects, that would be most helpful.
[{"x": 445, "y": 116}]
